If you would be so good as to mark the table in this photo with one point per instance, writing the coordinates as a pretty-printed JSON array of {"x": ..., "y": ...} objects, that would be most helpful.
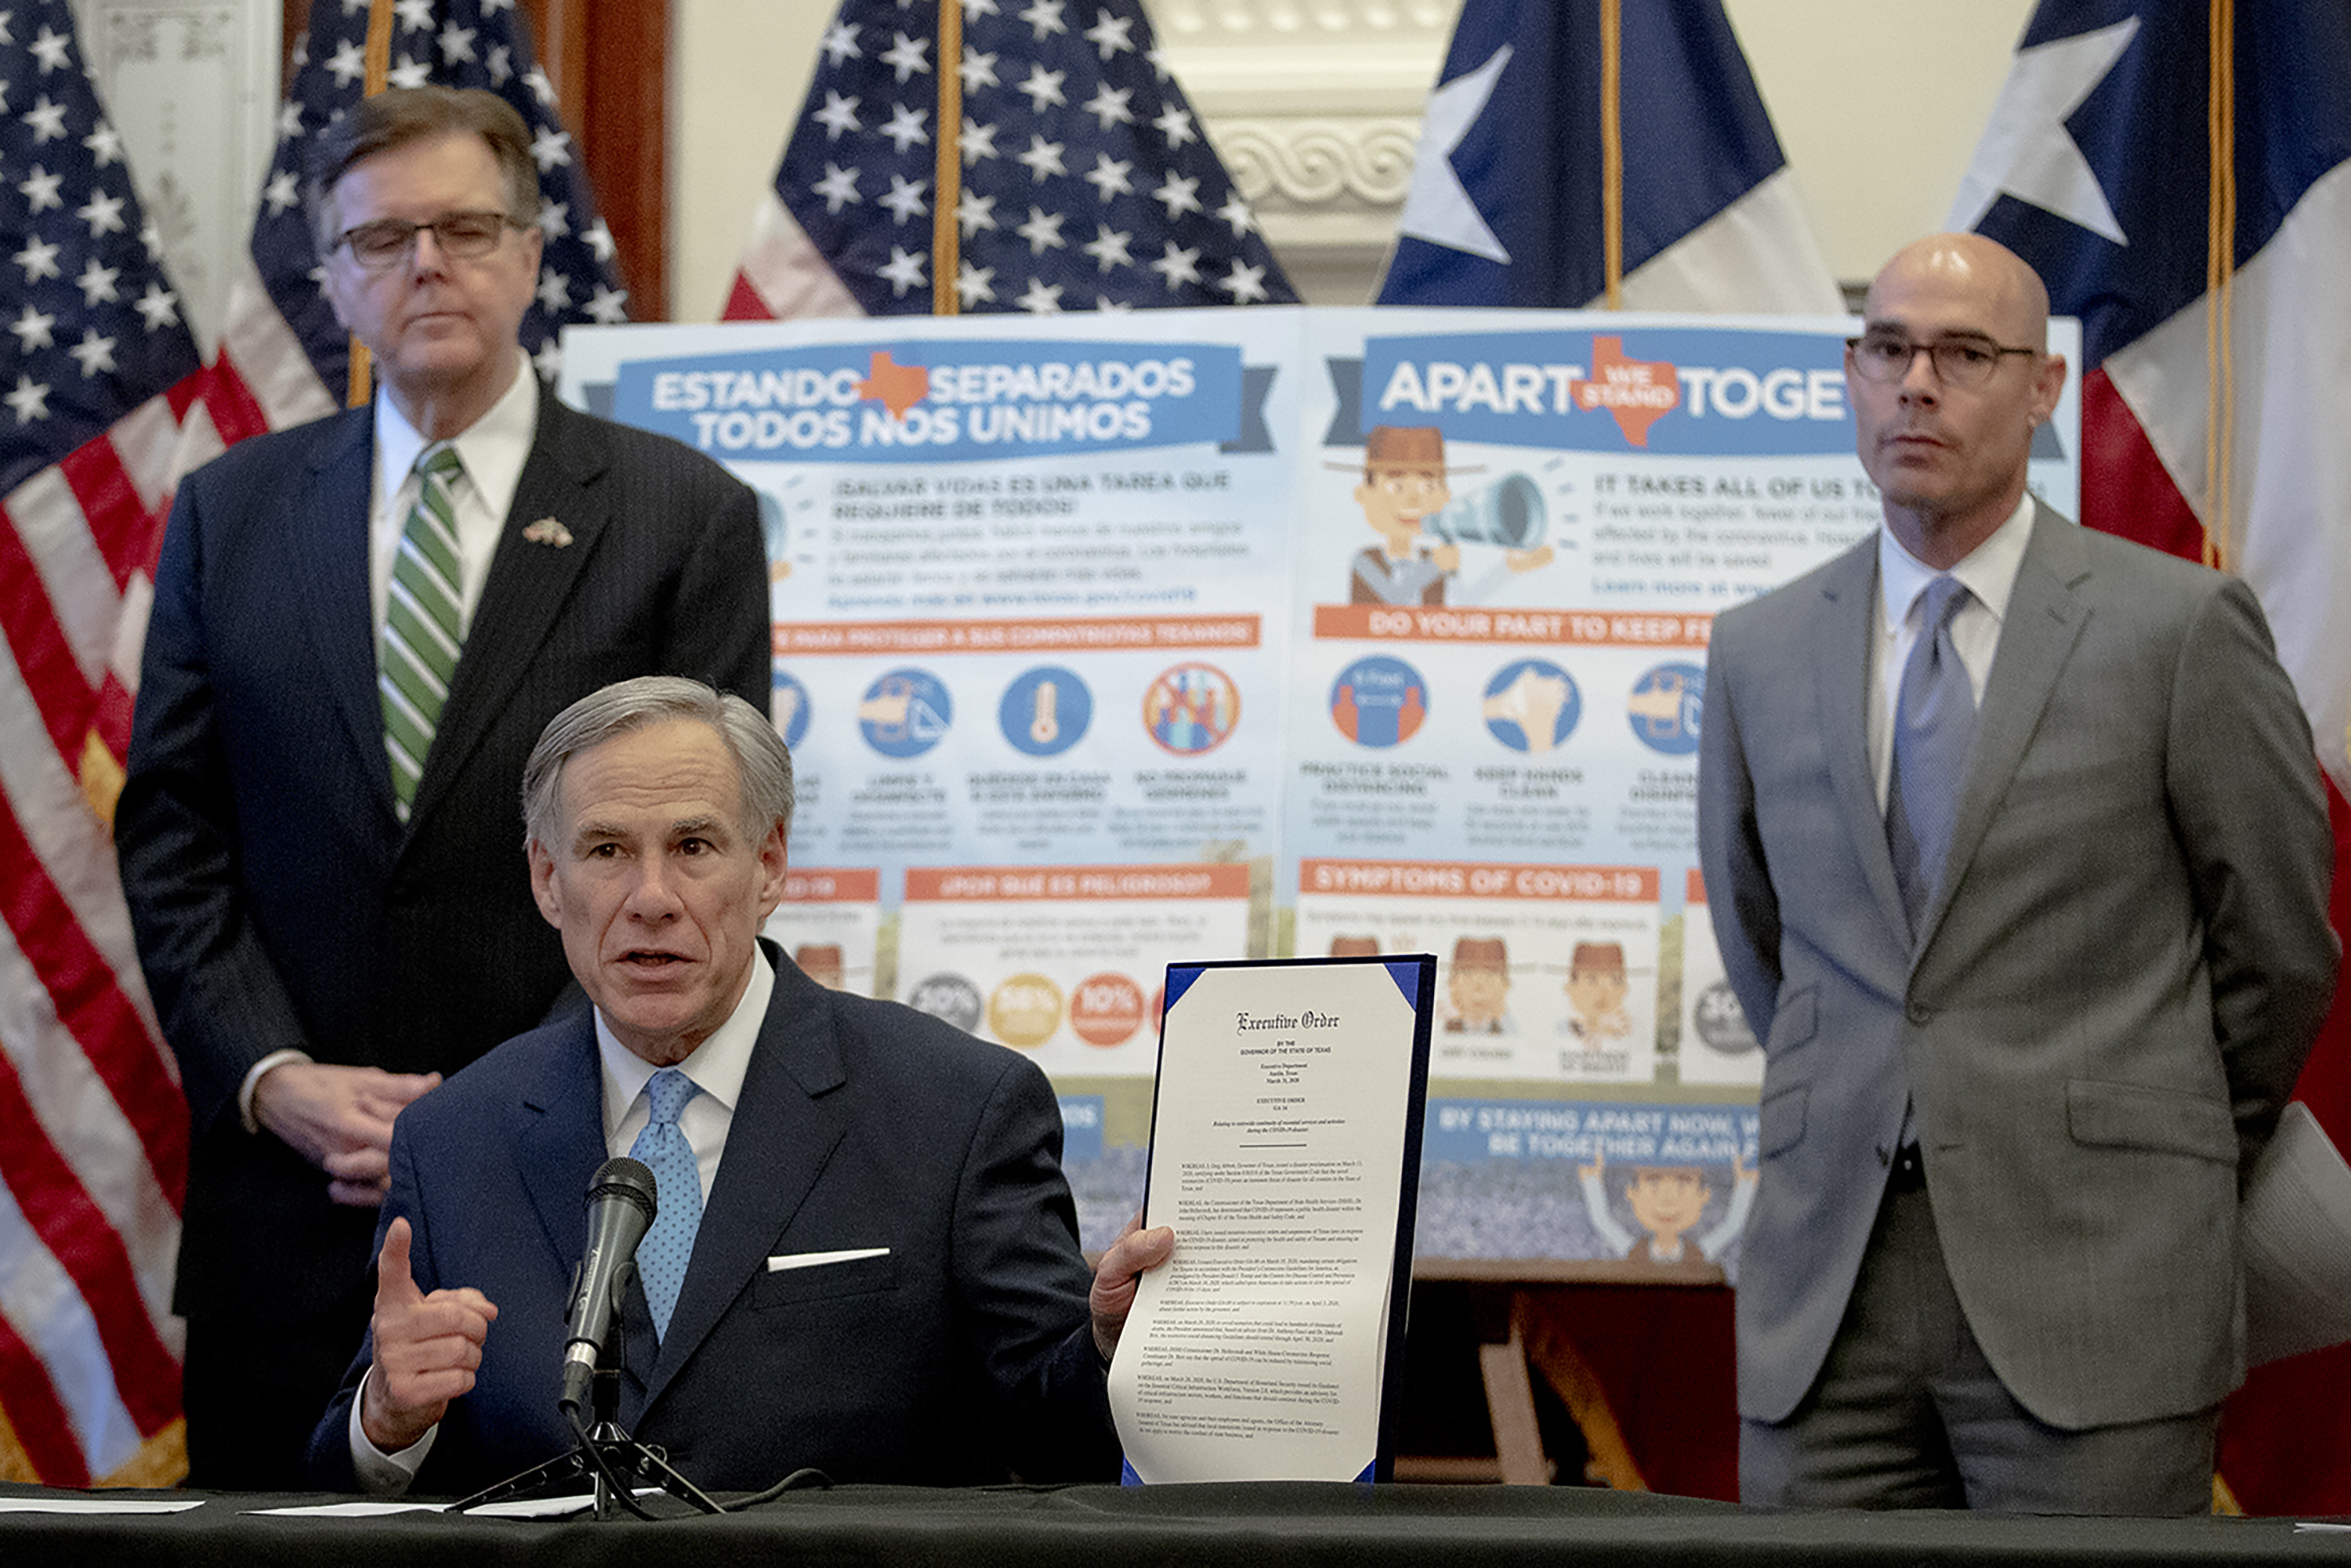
[{"x": 1265, "y": 1525}]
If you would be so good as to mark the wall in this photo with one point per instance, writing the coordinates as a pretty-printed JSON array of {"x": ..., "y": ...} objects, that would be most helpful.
[{"x": 1878, "y": 103}]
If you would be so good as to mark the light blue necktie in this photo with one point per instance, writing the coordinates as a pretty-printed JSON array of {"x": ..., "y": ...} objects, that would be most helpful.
[
  {"x": 669, "y": 1245},
  {"x": 1934, "y": 725}
]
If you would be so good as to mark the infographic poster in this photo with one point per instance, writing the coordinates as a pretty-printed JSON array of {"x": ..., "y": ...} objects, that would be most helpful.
[
  {"x": 1109, "y": 641},
  {"x": 1514, "y": 532}
]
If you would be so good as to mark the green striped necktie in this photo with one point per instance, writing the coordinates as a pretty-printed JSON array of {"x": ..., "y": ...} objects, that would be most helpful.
[{"x": 422, "y": 632}]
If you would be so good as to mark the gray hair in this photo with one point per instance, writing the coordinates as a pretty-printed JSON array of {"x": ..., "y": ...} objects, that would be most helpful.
[
  {"x": 763, "y": 767},
  {"x": 398, "y": 116}
]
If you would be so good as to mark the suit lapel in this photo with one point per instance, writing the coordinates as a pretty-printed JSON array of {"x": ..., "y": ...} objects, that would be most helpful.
[
  {"x": 1841, "y": 655},
  {"x": 782, "y": 1134},
  {"x": 327, "y": 544},
  {"x": 2044, "y": 621},
  {"x": 559, "y": 1138},
  {"x": 559, "y": 1146},
  {"x": 528, "y": 581}
]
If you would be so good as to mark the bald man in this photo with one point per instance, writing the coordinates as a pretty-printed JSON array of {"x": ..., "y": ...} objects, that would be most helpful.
[{"x": 2019, "y": 865}]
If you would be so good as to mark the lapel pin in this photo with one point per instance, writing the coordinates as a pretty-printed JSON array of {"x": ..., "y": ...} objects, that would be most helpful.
[{"x": 547, "y": 532}]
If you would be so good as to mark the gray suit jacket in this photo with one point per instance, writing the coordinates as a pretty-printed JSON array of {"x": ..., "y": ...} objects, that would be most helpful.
[{"x": 2107, "y": 1006}]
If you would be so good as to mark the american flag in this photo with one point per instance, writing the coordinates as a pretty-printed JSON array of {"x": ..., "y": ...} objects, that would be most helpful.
[
  {"x": 96, "y": 365},
  {"x": 282, "y": 358},
  {"x": 1086, "y": 179}
]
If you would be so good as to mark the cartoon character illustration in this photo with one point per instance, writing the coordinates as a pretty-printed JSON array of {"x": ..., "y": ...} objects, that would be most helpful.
[
  {"x": 1406, "y": 484},
  {"x": 1478, "y": 985},
  {"x": 1597, "y": 990},
  {"x": 1667, "y": 1202}
]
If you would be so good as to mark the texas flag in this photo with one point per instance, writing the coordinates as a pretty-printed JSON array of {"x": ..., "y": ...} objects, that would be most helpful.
[
  {"x": 2216, "y": 401},
  {"x": 1521, "y": 166}
]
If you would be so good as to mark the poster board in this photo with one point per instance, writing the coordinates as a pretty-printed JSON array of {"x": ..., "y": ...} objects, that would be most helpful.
[{"x": 1070, "y": 655}]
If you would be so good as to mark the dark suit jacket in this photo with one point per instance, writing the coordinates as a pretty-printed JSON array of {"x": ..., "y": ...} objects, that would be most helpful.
[
  {"x": 276, "y": 901},
  {"x": 862, "y": 1123},
  {"x": 2108, "y": 1000}
]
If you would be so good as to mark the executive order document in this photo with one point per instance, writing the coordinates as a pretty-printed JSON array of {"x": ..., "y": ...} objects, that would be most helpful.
[{"x": 1285, "y": 1152}]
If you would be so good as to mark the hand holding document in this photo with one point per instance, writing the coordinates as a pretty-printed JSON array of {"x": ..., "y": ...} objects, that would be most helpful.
[{"x": 1285, "y": 1154}]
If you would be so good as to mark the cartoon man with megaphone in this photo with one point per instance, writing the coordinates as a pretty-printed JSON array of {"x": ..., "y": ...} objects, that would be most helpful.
[{"x": 1404, "y": 484}]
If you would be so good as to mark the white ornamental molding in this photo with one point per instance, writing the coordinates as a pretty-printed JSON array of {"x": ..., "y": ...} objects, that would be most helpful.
[
  {"x": 1306, "y": 21},
  {"x": 1326, "y": 165}
]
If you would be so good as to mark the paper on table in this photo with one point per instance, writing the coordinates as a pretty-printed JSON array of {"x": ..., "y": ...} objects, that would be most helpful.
[
  {"x": 98, "y": 1505},
  {"x": 353, "y": 1508},
  {"x": 515, "y": 1508},
  {"x": 2296, "y": 1230},
  {"x": 1278, "y": 1146}
]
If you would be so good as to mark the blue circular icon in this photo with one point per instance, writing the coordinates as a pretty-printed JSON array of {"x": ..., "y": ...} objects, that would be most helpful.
[
  {"x": 906, "y": 713},
  {"x": 1379, "y": 700},
  {"x": 1531, "y": 705},
  {"x": 1665, "y": 707},
  {"x": 788, "y": 705},
  {"x": 1045, "y": 712}
]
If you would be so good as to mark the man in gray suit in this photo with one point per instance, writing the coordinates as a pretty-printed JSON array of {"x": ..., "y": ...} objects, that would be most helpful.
[{"x": 2018, "y": 860}]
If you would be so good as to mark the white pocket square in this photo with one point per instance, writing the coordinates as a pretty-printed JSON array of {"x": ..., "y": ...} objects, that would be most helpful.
[{"x": 783, "y": 1260}]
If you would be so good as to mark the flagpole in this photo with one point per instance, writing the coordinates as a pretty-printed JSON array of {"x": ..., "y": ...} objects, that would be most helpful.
[
  {"x": 1611, "y": 152},
  {"x": 361, "y": 384},
  {"x": 949, "y": 181},
  {"x": 2220, "y": 269}
]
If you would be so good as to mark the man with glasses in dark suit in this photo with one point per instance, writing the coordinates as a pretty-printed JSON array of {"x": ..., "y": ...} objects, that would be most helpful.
[{"x": 360, "y": 626}]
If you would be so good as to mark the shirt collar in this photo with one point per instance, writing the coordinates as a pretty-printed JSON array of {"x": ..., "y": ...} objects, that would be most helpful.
[
  {"x": 493, "y": 447},
  {"x": 1989, "y": 570},
  {"x": 717, "y": 1065}
]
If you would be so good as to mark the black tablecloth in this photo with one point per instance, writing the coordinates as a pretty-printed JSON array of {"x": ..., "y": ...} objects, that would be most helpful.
[{"x": 1257, "y": 1526}]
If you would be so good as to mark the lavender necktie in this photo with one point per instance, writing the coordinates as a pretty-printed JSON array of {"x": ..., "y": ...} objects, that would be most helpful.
[{"x": 1934, "y": 724}]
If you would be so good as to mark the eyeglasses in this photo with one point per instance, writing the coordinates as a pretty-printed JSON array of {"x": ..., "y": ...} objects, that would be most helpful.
[
  {"x": 385, "y": 243},
  {"x": 1958, "y": 361}
]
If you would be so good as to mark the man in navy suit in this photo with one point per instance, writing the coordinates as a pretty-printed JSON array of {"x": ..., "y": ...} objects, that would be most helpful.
[
  {"x": 322, "y": 879},
  {"x": 865, "y": 1258},
  {"x": 2014, "y": 842}
]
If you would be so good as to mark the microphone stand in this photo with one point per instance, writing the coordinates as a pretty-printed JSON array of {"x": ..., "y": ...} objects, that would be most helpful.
[{"x": 604, "y": 1452}]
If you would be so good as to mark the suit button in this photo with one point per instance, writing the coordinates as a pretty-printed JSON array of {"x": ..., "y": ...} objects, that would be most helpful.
[{"x": 1919, "y": 1012}]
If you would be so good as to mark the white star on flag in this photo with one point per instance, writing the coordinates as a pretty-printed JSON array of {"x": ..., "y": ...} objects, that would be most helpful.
[
  {"x": 906, "y": 269},
  {"x": 1437, "y": 208},
  {"x": 93, "y": 354},
  {"x": 2026, "y": 150},
  {"x": 1062, "y": 135},
  {"x": 1041, "y": 299}
]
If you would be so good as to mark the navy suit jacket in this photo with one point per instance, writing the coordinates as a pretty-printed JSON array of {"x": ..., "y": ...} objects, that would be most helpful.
[
  {"x": 962, "y": 1354},
  {"x": 276, "y": 900}
]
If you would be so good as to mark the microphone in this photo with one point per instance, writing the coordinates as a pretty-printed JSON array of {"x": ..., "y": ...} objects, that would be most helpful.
[{"x": 620, "y": 1202}]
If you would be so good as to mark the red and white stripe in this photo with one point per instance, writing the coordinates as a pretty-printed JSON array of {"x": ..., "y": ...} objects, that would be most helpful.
[
  {"x": 259, "y": 380},
  {"x": 782, "y": 275},
  {"x": 2289, "y": 533},
  {"x": 93, "y": 1131}
]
